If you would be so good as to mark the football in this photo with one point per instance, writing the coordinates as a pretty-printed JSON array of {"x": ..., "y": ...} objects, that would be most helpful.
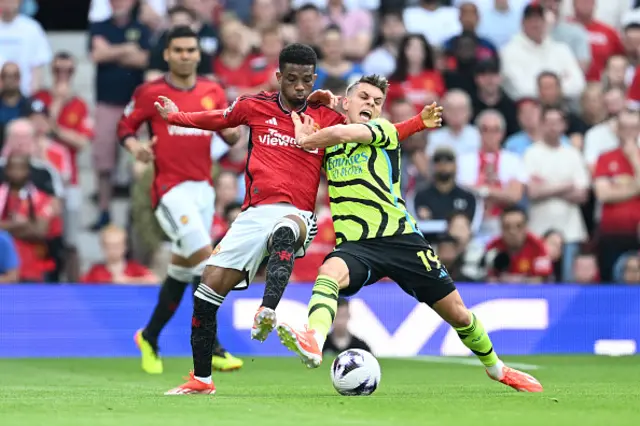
[{"x": 355, "y": 373}]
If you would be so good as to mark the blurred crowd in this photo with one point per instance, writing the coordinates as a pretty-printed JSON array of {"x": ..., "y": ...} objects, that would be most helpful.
[{"x": 534, "y": 178}]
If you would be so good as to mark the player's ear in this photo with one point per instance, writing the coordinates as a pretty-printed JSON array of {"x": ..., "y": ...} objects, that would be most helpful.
[
  {"x": 345, "y": 102},
  {"x": 279, "y": 76},
  {"x": 165, "y": 55}
]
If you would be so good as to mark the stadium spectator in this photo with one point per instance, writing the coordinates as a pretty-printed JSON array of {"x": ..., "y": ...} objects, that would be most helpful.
[
  {"x": 340, "y": 338},
  {"x": 489, "y": 94},
  {"x": 608, "y": 12},
  {"x": 182, "y": 16},
  {"x": 530, "y": 120},
  {"x": 116, "y": 269},
  {"x": 226, "y": 187},
  {"x": 437, "y": 23},
  {"x": 470, "y": 250},
  {"x": 309, "y": 25},
  {"x": 416, "y": 77},
  {"x": 585, "y": 269},
  {"x": 617, "y": 187},
  {"x": 469, "y": 17},
  {"x": 591, "y": 109},
  {"x": 120, "y": 49},
  {"x": 629, "y": 267},
  {"x": 447, "y": 248},
  {"x": 46, "y": 149},
  {"x": 382, "y": 59},
  {"x": 554, "y": 244},
  {"x": 517, "y": 256},
  {"x": 231, "y": 212},
  {"x": 150, "y": 12},
  {"x": 558, "y": 185},
  {"x": 27, "y": 213},
  {"x": 531, "y": 52},
  {"x": 496, "y": 177},
  {"x": 13, "y": 104},
  {"x": 616, "y": 72},
  {"x": 356, "y": 25},
  {"x": 9, "y": 260},
  {"x": 458, "y": 133},
  {"x": 442, "y": 198},
  {"x": 550, "y": 94},
  {"x": 602, "y": 137},
  {"x": 265, "y": 64},
  {"x": 231, "y": 66},
  {"x": 263, "y": 17},
  {"x": 24, "y": 42},
  {"x": 570, "y": 33},
  {"x": 500, "y": 21},
  {"x": 333, "y": 62}
]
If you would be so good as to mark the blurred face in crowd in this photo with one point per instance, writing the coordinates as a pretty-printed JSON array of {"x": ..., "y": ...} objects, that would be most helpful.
[
  {"x": 309, "y": 24},
  {"x": 40, "y": 122},
  {"x": 549, "y": 90},
  {"x": 631, "y": 42},
  {"x": 114, "y": 245},
  {"x": 392, "y": 28},
  {"x": 553, "y": 243},
  {"x": 10, "y": 76},
  {"x": 469, "y": 16},
  {"x": 17, "y": 170},
  {"x": 447, "y": 252},
  {"x": 514, "y": 229},
  {"x": 585, "y": 269},
  {"x": 631, "y": 273},
  {"x": 20, "y": 137},
  {"x": 181, "y": 19},
  {"x": 553, "y": 126},
  {"x": 488, "y": 82},
  {"x": 529, "y": 116},
  {"x": 592, "y": 100},
  {"x": 183, "y": 56},
  {"x": 363, "y": 103},
  {"x": 415, "y": 51},
  {"x": 342, "y": 320},
  {"x": 552, "y": 6},
  {"x": 444, "y": 166},
  {"x": 614, "y": 101},
  {"x": 332, "y": 46},
  {"x": 232, "y": 37},
  {"x": 401, "y": 111},
  {"x": 460, "y": 229},
  {"x": 226, "y": 188},
  {"x": 202, "y": 8},
  {"x": 628, "y": 126},
  {"x": 534, "y": 28},
  {"x": 271, "y": 44},
  {"x": 9, "y": 8},
  {"x": 584, "y": 8},
  {"x": 616, "y": 70},
  {"x": 457, "y": 110},
  {"x": 121, "y": 8},
  {"x": 491, "y": 132},
  {"x": 296, "y": 82},
  {"x": 264, "y": 14},
  {"x": 63, "y": 69}
]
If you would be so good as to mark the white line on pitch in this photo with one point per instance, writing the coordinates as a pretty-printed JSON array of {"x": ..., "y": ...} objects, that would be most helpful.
[{"x": 468, "y": 361}]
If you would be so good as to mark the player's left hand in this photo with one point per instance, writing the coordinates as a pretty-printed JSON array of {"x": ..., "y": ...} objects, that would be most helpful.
[
  {"x": 167, "y": 106},
  {"x": 303, "y": 127},
  {"x": 432, "y": 116},
  {"x": 325, "y": 97}
]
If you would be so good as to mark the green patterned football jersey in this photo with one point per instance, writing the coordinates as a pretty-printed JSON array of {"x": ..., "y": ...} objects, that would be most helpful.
[{"x": 364, "y": 186}]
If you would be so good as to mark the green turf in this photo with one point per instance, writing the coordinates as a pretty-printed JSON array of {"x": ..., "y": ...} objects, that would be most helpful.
[{"x": 579, "y": 391}]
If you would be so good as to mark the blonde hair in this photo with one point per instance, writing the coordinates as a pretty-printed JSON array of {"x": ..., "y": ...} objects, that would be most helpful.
[{"x": 112, "y": 229}]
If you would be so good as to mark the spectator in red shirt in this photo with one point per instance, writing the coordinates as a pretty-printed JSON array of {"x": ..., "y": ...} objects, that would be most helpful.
[
  {"x": 226, "y": 193},
  {"x": 604, "y": 39},
  {"x": 265, "y": 64},
  {"x": 116, "y": 268},
  {"x": 517, "y": 256},
  {"x": 617, "y": 187},
  {"x": 231, "y": 66},
  {"x": 415, "y": 78},
  {"x": 26, "y": 213}
]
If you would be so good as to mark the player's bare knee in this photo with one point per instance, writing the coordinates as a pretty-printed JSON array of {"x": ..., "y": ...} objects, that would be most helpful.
[
  {"x": 336, "y": 269},
  {"x": 221, "y": 280}
]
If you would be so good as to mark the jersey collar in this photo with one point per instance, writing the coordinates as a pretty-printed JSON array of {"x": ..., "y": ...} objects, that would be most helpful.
[{"x": 285, "y": 110}]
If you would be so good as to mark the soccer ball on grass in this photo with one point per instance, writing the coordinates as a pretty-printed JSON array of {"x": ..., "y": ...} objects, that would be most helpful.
[{"x": 355, "y": 373}]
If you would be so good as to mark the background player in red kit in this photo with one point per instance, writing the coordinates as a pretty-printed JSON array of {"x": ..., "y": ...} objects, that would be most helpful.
[
  {"x": 277, "y": 220},
  {"x": 182, "y": 192}
]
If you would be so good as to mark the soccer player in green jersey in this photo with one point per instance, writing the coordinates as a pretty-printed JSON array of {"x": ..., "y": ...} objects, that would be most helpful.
[{"x": 375, "y": 234}]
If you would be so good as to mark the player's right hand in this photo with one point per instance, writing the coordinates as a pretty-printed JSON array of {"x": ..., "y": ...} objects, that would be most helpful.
[
  {"x": 303, "y": 126},
  {"x": 165, "y": 106},
  {"x": 325, "y": 97}
]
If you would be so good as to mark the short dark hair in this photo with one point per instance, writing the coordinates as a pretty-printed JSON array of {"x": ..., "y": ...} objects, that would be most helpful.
[
  {"x": 63, "y": 54},
  {"x": 182, "y": 9},
  {"x": 307, "y": 7},
  {"x": 551, "y": 74},
  {"x": 181, "y": 31},
  {"x": 551, "y": 108},
  {"x": 514, "y": 209},
  {"x": 455, "y": 215},
  {"x": 332, "y": 28},
  {"x": 297, "y": 54},
  {"x": 373, "y": 79}
]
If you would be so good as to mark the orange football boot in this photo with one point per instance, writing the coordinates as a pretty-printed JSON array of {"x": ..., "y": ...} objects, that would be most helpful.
[
  {"x": 522, "y": 382},
  {"x": 193, "y": 387},
  {"x": 302, "y": 343}
]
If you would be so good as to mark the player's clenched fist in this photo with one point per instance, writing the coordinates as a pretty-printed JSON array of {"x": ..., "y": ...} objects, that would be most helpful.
[
  {"x": 432, "y": 116},
  {"x": 165, "y": 106},
  {"x": 303, "y": 127}
]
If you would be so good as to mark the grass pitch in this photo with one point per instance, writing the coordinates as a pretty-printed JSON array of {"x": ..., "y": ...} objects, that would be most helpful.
[{"x": 579, "y": 391}]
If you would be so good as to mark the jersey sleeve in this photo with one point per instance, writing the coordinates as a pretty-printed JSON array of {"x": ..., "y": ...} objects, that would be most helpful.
[
  {"x": 137, "y": 111},
  {"x": 601, "y": 169},
  {"x": 542, "y": 265},
  {"x": 235, "y": 115},
  {"x": 383, "y": 134}
]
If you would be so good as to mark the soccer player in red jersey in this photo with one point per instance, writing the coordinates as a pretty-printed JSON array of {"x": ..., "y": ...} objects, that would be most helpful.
[
  {"x": 182, "y": 192},
  {"x": 277, "y": 219}
]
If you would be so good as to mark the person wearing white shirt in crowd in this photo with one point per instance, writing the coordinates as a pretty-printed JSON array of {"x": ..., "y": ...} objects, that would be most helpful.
[
  {"x": 382, "y": 59},
  {"x": 24, "y": 42},
  {"x": 531, "y": 52},
  {"x": 497, "y": 177},
  {"x": 500, "y": 20},
  {"x": 602, "y": 137},
  {"x": 436, "y": 22},
  {"x": 458, "y": 134},
  {"x": 558, "y": 184},
  {"x": 152, "y": 12}
]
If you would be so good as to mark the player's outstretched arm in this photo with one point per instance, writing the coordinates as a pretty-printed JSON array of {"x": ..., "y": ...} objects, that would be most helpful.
[
  {"x": 213, "y": 120},
  {"x": 309, "y": 139}
]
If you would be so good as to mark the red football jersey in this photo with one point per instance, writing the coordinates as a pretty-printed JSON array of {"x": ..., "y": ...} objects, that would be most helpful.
[
  {"x": 532, "y": 259},
  {"x": 278, "y": 170},
  {"x": 99, "y": 274},
  {"x": 621, "y": 218},
  {"x": 605, "y": 42},
  {"x": 74, "y": 115},
  {"x": 181, "y": 154}
]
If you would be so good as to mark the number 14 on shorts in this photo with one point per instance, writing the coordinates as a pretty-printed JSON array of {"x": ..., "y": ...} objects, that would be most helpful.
[{"x": 429, "y": 259}]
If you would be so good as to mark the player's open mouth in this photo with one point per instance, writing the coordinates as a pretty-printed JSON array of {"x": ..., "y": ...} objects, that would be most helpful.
[{"x": 365, "y": 115}]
